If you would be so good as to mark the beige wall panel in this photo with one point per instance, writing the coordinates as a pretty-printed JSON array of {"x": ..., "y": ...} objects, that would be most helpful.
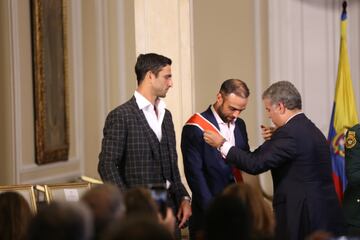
[
  {"x": 122, "y": 51},
  {"x": 129, "y": 50},
  {"x": 109, "y": 62},
  {"x": 224, "y": 48},
  {"x": 26, "y": 93},
  {"x": 92, "y": 108},
  {"x": 45, "y": 175},
  {"x": 7, "y": 171}
]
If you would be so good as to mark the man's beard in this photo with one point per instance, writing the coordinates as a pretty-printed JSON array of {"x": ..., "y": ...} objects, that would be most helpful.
[{"x": 221, "y": 115}]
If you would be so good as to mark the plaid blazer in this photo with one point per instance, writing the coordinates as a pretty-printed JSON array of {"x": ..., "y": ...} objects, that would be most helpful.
[{"x": 130, "y": 156}]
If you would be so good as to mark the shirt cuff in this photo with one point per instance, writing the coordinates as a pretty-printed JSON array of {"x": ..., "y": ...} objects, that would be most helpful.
[
  {"x": 186, "y": 198},
  {"x": 225, "y": 148}
]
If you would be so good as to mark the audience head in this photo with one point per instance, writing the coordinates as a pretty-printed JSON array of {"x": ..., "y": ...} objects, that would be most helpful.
[
  {"x": 139, "y": 202},
  {"x": 227, "y": 218},
  {"x": 150, "y": 62},
  {"x": 138, "y": 228},
  {"x": 62, "y": 221},
  {"x": 260, "y": 213},
  {"x": 15, "y": 216},
  {"x": 106, "y": 203}
]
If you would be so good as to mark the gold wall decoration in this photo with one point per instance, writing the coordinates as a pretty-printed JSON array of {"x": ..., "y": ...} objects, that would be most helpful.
[{"x": 50, "y": 80}]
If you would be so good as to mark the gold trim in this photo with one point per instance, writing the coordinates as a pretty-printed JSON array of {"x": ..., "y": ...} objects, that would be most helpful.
[
  {"x": 50, "y": 188},
  {"x": 91, "y": 180},
  {"x": 24, "y": 187},
  {"x": 350, "y": 139}
]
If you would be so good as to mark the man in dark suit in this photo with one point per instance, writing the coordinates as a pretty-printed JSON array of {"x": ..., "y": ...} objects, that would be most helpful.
[
  {"x": 298, "y": 156},
  {"x": 138, "y": 147},
  {"x": 351, "y": 203},
  {"x": 206, "y": 175}
]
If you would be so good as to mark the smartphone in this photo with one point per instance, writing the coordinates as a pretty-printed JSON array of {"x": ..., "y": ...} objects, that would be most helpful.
[{"x": 159, "y": 194}]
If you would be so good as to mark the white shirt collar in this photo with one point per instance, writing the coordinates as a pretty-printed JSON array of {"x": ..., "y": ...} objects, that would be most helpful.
[
  {"x": 143, "y": 103},
  {"x": 218, "y": 118},
  {"x": 293, "y": 116},
  {"x": 153, "y": 119}
]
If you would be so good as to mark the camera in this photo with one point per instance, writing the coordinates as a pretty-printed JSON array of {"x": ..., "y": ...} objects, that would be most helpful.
[{"x": 159, "y": 194}]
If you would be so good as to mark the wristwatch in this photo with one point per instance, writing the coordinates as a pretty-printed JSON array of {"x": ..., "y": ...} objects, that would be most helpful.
[
  {"x": 187, "y": 199},
  {"x": 222, "y": 143}
]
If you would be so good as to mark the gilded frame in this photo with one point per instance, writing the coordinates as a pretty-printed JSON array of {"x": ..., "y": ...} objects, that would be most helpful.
[
  {"x": 57, "y": 192},
  {"x": 26, "y": 190},
  {"x": 50, "y": 80}
]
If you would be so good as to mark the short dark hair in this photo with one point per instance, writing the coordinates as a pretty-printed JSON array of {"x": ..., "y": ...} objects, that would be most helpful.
[
  {"x": 284, "y": 92},
  {"x": 139, "y": 201},
  {"x": 106, "y": 203},
  {"x": 61, "y": 221},
  {"x": 137, "y": 228},
  {"x": 150, "y": 62},
  {"x": 236, "y": 86},
  {"x": 227, "y": 218},
  {"x": 15, "y": 216}
]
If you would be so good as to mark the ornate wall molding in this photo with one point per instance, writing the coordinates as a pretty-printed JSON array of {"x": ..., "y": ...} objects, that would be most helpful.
[{"x": 26, "y": 171}]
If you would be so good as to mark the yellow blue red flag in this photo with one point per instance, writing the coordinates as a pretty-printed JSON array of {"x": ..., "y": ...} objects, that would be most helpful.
[{"x": 344, "y": 113}]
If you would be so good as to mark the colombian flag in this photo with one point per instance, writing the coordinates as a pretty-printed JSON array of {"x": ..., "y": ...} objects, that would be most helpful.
[{"x": 344, "y": 113}]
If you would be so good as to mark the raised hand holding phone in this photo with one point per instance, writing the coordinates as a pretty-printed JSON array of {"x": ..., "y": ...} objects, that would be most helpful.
[{"x": 159, "y": 194}]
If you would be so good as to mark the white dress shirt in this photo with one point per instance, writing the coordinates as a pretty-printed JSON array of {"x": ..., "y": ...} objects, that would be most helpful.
[
  {"x": 226, "y": 130},
  {"x": 154, "y": 120}
]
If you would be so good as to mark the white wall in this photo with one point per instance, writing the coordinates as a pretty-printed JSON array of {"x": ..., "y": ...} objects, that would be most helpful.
[{"x": 304, "y": 49}]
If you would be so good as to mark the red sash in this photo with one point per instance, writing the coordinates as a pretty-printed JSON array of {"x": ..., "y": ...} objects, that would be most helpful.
[{"x": 204, "y": 124}]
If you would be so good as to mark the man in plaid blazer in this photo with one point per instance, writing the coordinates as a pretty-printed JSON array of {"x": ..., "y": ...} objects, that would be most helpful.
[{"x": 138, "y": 147}]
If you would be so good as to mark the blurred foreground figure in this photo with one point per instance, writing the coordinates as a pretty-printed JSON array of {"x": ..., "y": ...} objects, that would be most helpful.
[
  {"x": 62, "y": 221},
  {"x": 15, "y": 216},
  {"x": 260, "y": 212},
  {"x": 106, "y": 203}
]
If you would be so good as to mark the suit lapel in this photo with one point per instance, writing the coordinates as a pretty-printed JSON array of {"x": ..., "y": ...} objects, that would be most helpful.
[
  {"x": 239, "y": 139},
  {"x": 166, "y": 130},
  {"x": 208, "y": 114}
]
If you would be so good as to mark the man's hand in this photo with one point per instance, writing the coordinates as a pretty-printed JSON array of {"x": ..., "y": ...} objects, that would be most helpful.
[
  {"x": 213, "y": 139},
  {"x": 184, "y": 212},
  {"x": 267, "y": 132}
]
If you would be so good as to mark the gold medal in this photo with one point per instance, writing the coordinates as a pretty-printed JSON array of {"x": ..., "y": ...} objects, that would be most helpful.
[{"x": 350, "y": 140}]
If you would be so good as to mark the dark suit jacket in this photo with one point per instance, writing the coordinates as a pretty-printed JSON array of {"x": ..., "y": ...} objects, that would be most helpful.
[
  {"x": 304, "y": 195},
  {"x": 129, "y": 156},
  {"x": 206, "y": 173},
  {"x": 351, "y": 203}
]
